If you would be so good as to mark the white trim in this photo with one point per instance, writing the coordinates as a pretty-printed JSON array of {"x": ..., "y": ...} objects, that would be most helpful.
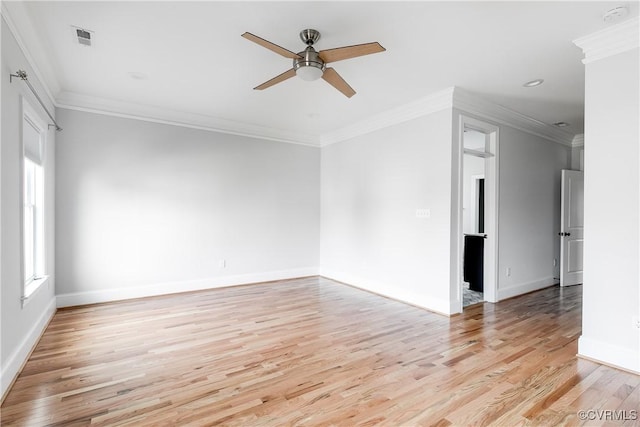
[
  {"x": 578, "y": 141},
  {"x": 13, "y": 29},
  {"x": 476, "y": 153},
  {"x": 609, "y": 354},
  {"x": 523, "y": 288},
  {"x": 106, "y": 295},
  {"x": 35, "y": 120},
  {"x": 610, "y": 41},
  {"x": 13, "y": 364},
  {"x": 393, "y": 291},
  {"x": 108, "y": 107},
  {"x": 32, "y": 289},
  {"x": 447, "y": 98},
  {"x": 422, "y": 107},
  {"x": 451, "y": 97},
  {"x": 484, "y": 109},
  {"x": 492, "y": 212}
]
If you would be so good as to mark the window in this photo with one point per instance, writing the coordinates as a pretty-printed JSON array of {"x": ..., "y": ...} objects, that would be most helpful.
[
  {"x": 33, "y": 202},
  {"x": 33, "y": 221}
]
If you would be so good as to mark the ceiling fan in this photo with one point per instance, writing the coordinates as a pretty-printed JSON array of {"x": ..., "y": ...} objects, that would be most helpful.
[{"x": 311, "y": 65}]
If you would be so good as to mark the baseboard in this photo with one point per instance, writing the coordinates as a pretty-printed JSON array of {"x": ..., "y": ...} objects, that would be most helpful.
[
  {"x": 14, "y": 363},
  {"x": 107, "y": 295},
  {"x": 523, "y": 288},
  {"x": 426, "y": 302},
  {"x": 608, "y": 354}
]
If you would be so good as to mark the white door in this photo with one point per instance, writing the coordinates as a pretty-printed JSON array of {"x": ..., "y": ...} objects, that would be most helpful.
[{"x": 571, "y": 228}]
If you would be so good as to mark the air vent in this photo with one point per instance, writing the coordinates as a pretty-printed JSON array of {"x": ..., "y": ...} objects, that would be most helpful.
[{"x": 82, "y": 36}]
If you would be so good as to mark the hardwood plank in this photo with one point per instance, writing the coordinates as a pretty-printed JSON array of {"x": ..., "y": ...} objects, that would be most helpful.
[{"x": 315, "y": 352}]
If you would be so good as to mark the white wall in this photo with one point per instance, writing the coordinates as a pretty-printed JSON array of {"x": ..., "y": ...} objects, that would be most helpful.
[
  {"x": 371, "y": 188},
  {"x": 530, "y": 170},
  {"x": 611, "y": 199},
  {"x": 147, "y": 208},
  {"x": 20, "y": 326}
]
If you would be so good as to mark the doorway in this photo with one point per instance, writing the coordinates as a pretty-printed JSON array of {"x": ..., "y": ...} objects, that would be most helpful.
[
  {"x": 478, "y": 229},
  {"x": 473, "y": 202}
]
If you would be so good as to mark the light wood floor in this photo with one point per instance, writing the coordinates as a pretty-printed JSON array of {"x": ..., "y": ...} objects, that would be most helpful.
[{"x": 314, "y": 352}]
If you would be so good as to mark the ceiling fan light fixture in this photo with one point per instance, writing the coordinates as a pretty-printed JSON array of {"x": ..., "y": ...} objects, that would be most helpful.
[
  {"x": 309, "y": 66},
  {"x": 309, "y": 73}
]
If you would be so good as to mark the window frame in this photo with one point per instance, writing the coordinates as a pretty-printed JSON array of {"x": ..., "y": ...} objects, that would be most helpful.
[{"x": 30, "y": 285}]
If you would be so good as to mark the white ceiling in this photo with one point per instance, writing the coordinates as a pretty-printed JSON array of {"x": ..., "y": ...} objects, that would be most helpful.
[{"x": 197, "y": 65}]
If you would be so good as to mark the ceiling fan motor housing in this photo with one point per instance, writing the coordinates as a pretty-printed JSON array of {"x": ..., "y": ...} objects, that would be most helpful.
[
  {"x": 309, "y": 66},
  {"x": 309, "y": 58}
]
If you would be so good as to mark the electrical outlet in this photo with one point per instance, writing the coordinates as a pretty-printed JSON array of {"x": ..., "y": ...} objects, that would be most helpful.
[
  {"x": 508, "y": 271},
  {"x": 223, "y": 263},
  {"x": 555, "y": 262},
  {"x": 636, "y": 321}
]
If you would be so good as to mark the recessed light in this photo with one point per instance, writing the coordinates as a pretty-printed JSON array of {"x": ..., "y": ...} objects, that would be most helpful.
[
  {"x": 136, "y": 75},
  {"x": 561, "y": 124},
  {"x": 615, "y": 14},
  {"x": 533, "y": 83}
]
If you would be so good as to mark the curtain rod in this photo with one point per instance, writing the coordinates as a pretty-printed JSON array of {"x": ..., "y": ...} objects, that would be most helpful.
[{"x": 23, "y": 76}]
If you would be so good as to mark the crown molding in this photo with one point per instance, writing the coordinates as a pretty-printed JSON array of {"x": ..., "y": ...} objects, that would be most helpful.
[
  {"x": 109, "y": 107},
  {"x": 473, "y": 104},
  {"x": 610, "y": 41},
  {"x": 451, "y": 97},
  {"x": 422, "y": 107},
  {"x": 578, "y": 141},
  {"x": 12, "y": 19}
]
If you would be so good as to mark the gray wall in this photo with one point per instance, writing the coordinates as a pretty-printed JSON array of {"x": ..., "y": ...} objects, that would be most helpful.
[
  {"x": 530, "y": 169},
  {"x": 371, "y": 188},
  {"x": 147, "y": 208},
  {"x": 373, "y": 184}
]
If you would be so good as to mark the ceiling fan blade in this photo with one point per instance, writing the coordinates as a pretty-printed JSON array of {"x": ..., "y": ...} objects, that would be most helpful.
[
  {"x": 347, "y": 52},
  {"x": 271, "y": 46},
  {"x": 333, "y": 78},
  {"x": 277, "y": 79}
]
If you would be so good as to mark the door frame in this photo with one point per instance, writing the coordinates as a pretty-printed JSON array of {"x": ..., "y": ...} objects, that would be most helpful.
[
  {"x": 491, "y": 188},
  {"x": 474, "y": 197}
]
